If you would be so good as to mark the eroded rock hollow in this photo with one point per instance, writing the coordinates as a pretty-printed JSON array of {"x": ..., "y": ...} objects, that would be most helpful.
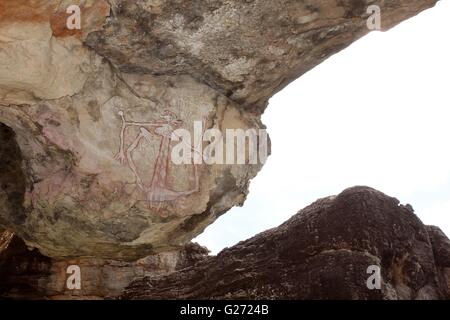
[{"x": 87, "y": 113}]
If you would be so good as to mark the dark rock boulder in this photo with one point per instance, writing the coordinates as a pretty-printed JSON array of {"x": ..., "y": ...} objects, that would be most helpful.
[{"x": 323, "y": 252}]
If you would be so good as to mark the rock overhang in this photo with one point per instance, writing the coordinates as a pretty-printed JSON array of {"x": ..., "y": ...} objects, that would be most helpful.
[{"x": 67, "y": 94}]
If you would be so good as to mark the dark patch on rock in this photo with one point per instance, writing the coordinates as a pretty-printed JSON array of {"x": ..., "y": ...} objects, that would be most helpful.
[
  {"x": 94, "y": 109},
  {"x": 12, "y": 179},
  {"x": 22, "y": 271},
  {"x": 353, "y": 8}
]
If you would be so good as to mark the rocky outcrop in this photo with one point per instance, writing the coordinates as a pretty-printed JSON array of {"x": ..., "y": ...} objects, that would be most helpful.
[
  {"x": 27, "y": 274},
  {"x": 441, "y": 250},
  {"x": 88, "y": 113},
  {"x": 323, "y": 252},
  {"x": 246, "y": 50}
]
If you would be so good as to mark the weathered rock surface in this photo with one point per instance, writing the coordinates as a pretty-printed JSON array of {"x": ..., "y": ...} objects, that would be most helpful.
[
  {"x": 323, "y": 252},
  {"x": 74, "y": 182},
  {"x": 246, "y": 50},
  {"x": 26, "y": 273}
]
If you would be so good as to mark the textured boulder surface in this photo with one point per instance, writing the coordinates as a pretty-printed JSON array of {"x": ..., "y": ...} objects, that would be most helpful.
[
  {"x": 81, "y": 174},
  {"x": 323, "y": 252},
  {"x": 27, "y": 274}
]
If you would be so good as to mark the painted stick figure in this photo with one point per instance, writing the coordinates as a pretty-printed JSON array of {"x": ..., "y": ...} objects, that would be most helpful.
[{"x": 158, "y": 190}]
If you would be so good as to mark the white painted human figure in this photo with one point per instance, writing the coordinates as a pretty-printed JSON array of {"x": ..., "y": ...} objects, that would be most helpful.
[{"x": 158, "y": 191}]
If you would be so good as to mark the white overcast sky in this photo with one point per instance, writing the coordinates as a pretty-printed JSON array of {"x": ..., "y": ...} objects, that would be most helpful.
[{"x": 376, "y": 114}]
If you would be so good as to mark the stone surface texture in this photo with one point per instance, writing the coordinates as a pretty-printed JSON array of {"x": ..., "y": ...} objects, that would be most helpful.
[
  {"x": 26, "y": 273},
  {"x": 322, "y": 252},
  {"x": 73, "y": 184}
]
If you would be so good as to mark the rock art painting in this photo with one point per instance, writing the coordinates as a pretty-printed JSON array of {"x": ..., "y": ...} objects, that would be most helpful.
[{"x": 159, "y": 189}]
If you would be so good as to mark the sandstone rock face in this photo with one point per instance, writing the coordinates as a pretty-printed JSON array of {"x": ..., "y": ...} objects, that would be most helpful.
[
  {"x": 87, "y": 114},
  {"x": 323, "y": 252},
  {"x": 28, "y": 274},
  {"x": 246, "y": 50}
]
